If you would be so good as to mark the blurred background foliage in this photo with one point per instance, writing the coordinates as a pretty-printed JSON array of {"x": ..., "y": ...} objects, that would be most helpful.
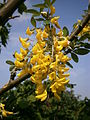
[{"x": 23, "y": 103}]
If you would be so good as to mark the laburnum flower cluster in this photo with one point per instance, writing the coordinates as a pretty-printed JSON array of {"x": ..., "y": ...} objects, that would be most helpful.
[{"x": 46, "y": 60}]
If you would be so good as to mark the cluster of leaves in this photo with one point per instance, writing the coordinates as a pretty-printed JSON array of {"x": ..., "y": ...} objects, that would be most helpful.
[
  {"x": 24, "y": 105},
  {"x": 4, "y": 34}
]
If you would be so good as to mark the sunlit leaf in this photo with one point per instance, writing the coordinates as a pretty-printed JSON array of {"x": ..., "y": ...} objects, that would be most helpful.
[
  {"x": 65, "y": 31},
  {"x": 39, "y": 5},
  {"x": 33, "y": 11}
]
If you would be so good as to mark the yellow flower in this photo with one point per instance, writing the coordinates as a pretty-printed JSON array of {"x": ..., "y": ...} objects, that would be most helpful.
[
  {"x": 22, "y": 39},
  {"x": 44, "y": 34},
  {"x": 42, "y": 96},
  {"x": 24, "y": 43},
  {"x": 23, "y": 52},
  {"x": 52, "y": 76},
  {"x": 19, "y": 64},
  {"x": 54, "y": 19},
  {"x": 52, "y": 10},
  {"x": 22, "y": 72},
  {"x": 60, "y": 33},
  {"x": 57, "y": 24},
  {"x": 19, "y": 57},
  {"x": 64, "y": 43},
  {"x": 4, "y": 113},
  {"x": 28, "y": 32},
  {"x": 38, "y": 36}
]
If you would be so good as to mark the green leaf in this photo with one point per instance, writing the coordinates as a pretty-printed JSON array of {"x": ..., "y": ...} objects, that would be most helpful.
[
  {"x": 11, "y": 67},
  {"x": 39, "y": 5},
  {"x": 81, "y": 51},
  {"x": 65, "y": 31},
  {"x": 31, "y": 98},
  {"x": 69, "y": 65},
  {"x": 33, "y": 11},
  {"x": 84, "y": 37},
  {"x": 39, "y": 19},
  {"x": 33, "y": 21},
  {"x": 9, "y": 62},
  {"x": 74, "y": 57},
  {"x": 22, "y": 8}
]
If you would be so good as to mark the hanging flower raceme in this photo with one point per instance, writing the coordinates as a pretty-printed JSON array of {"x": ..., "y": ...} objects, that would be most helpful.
[{"x": 45, "y": 60}]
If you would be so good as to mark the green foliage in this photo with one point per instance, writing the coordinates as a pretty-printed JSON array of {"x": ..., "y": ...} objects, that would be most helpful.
[
  {"x": 22, "y": 8},
  {"x": 65, "y": 31},
  {"x": 74, "y": 57},
  {"x": 69, "y": 65},
  {"x": 33, "y": 21},
  {"x": 81, "y": 51},
  {"x": 23, "y": 103},
  {"x": 9, "y": 62}
]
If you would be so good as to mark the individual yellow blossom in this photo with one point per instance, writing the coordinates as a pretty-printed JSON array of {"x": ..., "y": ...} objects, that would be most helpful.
[
  {"x": 19, "y": 57},
  {"x": 52, "y": 8},
  {"x": 54, "y": 19},
  {"x": 42, "y": 96},
  {"x": 44, "y": 34},
  {"x": 23, "y": 52},
  {"x": 64, "y": 43},
  {"x": 22, "y": 39},
  {"x": 23, "y": 72},
  {"x": 52, "y": 75},
  {"x": 28, "y": 32},
  {"x": 4, "y": 113},
  {"x": 24, "y": 43},
  {"x": 38, "y": 36},
  {"x": 19, "y": 64},
  {"x": 57, "y": 24},
  {"x": 60, "y": 33}
]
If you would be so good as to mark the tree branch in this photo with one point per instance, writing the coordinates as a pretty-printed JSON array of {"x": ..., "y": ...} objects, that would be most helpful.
[
  {"x": 8, "y": 9},
  {"x": 80, "y": 27},
  {"x": 13, "y": 83}
]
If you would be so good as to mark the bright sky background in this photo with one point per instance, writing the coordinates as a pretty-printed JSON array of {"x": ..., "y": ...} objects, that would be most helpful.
[{"x": 69, "y": 11}]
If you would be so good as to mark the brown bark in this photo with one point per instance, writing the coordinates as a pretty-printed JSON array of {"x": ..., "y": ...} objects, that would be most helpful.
[{"x": 8, "y": 9}]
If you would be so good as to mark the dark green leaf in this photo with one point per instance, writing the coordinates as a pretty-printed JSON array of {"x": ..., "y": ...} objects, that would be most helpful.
[
  {"x": 74, "y": 57},
  {"x": 10, "y": 62},
  {"x": 22, "y": 8},
  {"x": 81, "y": 51},
  {"x": 33, "y": 11},
  {"x": 86, "y": 45},
  {"x": 84, "y": 37},
  {"x": 11, "y": 67},
  {"x": 65, "y": 31},
  {"x": 39, "y": 19},
  {"x": 39, "y": 5},
  {"x": 69, "y": 64},
  {"x": 33, "y": 21}
]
